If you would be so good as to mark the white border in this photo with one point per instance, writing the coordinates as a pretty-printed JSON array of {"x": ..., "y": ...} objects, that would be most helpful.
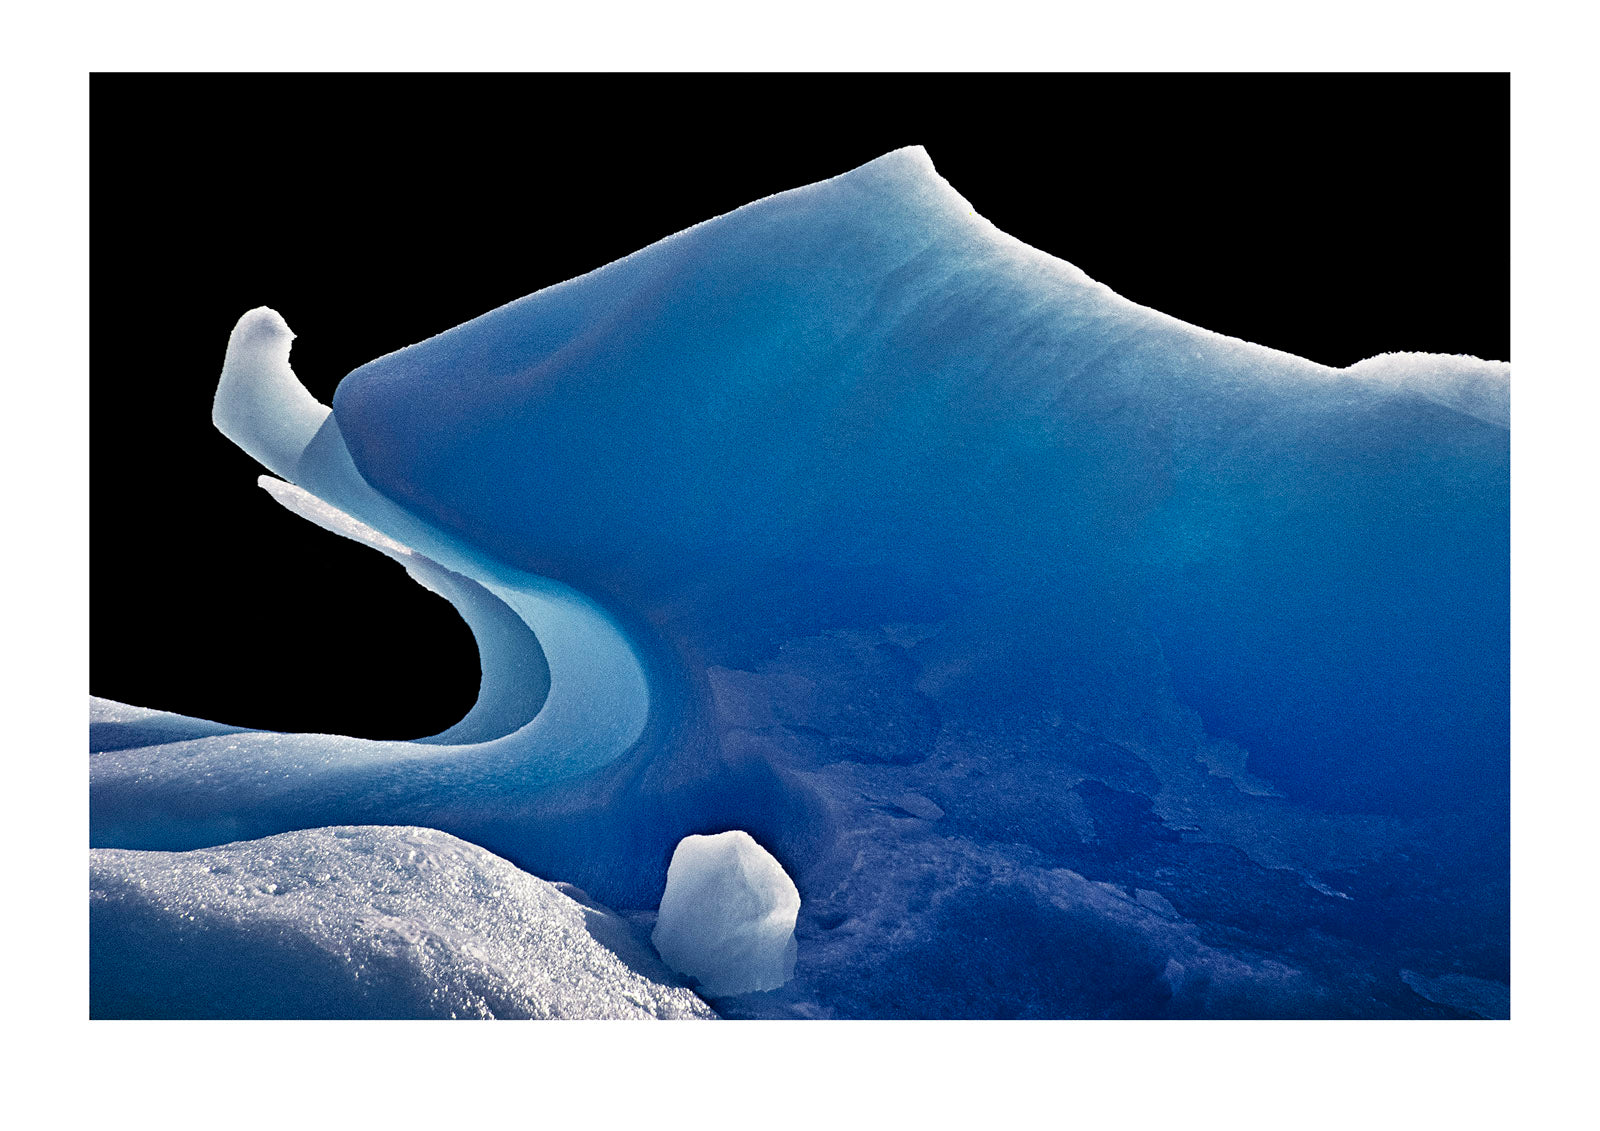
[{"x": 1525, "y": 1072}]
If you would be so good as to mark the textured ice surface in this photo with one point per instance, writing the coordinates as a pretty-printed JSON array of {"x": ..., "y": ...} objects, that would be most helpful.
[
  {"x": 1007, "y": 614},
  {"x": 727, "y": 916},
  {"x": 359, "y": 922},
  {"x": 1489, "y": 1000}
]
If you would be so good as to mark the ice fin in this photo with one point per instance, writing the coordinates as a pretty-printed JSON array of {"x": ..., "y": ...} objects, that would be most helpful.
[{"x": 260, "y": 404}]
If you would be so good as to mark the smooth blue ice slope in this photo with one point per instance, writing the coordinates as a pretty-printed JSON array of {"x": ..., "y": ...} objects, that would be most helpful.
[
  {"x": 1074, "y": 661},
  {"x": 859, "y": 403}
]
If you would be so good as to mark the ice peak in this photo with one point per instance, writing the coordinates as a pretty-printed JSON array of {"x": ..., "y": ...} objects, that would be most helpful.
[
  {"x": 907, "y": 156},
  {"x": 261, "y": 327},
  {"x": 260, "y": 403},
  {"x": 909, "y": 167}
]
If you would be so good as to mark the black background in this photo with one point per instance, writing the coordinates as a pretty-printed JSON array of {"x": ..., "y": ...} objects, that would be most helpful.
[{"x": 1330, "y": 216}]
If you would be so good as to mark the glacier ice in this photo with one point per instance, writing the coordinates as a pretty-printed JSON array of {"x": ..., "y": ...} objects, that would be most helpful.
[
  {"x": 962, "y": 584},
  {"x": 859, "y": 404},
  {"x": 386, "y": 922},
  {"x": 727, "y": 916}
]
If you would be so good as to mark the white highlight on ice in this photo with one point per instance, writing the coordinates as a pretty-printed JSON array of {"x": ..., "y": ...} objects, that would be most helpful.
[{"x": 260, "y": 403}]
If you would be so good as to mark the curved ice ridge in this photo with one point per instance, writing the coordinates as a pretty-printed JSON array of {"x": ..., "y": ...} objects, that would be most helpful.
[
  {"x": 516, "y": 676},
  {"x": 563, "y": 692}
]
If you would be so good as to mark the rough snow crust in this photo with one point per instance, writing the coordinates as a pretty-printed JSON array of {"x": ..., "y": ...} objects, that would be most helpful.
[
  {"x": 727, "y": 916},
  {"x": 359, "y": 922}
]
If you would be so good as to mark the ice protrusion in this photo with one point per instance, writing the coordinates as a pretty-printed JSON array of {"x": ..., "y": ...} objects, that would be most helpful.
[
  {"x": 260, "y": 404},
  {"x": 727, "y": 917},
  {"x": 1478, "y": 388}
]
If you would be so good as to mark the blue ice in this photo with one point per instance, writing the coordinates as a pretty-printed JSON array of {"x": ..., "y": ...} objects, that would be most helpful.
[{"x": 974, "y": 592}]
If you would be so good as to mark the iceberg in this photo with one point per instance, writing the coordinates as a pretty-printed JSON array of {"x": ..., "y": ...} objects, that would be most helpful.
[{"x": 976, "y": 594}]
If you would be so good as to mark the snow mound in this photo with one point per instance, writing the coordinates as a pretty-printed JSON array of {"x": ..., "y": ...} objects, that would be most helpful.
[
  {"x": 727, "y": 917},
  {"x": 359, "y": 922}
]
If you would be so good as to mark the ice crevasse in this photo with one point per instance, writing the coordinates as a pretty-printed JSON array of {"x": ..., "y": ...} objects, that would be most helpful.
[{"x": 948, "y": 574}]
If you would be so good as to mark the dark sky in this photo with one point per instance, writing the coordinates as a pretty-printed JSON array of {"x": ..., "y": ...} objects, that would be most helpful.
[{"x": 1330, "y": 216}]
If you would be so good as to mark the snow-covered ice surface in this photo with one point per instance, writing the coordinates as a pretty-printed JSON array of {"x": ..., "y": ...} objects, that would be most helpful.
[
  {"x": 1074, "y": 661},
  {"x": 727, "y": 916},
  {"x": 367, "y": 921}
]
